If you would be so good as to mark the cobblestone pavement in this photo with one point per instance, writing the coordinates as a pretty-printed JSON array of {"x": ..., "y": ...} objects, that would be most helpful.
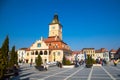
[{"x": 108, "y": 72}]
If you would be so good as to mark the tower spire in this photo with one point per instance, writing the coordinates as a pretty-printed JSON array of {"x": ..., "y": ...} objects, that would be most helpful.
[{"x": 55, "y": 20}]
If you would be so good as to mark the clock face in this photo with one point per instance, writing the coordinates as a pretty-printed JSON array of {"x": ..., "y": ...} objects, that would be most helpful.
[{"x": 53, "y": 27}]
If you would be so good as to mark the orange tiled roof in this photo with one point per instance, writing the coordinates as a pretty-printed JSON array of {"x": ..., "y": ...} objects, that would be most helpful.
[
  {"x": 53, "y": 38},
  {"x": 56, "y": 43},
  {"x": 28, "y": 49},
  {"x": 112, "y": 50},
  {"x": 76, "y": 52}
]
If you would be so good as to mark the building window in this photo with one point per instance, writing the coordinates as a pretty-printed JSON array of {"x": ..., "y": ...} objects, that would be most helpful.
[
  {"x": 38, "y": 45},
  {"x": 41, "y": 53},
  {"x": 58, "y": 53},
  {"x": 36, "y": 53},
  {"x": 45, "y": 52},
  {"x": 31, "y": 60},
  {"x": 27, "y": 54},
  {"x": 45, "y": 60},
  {"x": 32, "y": 53}
]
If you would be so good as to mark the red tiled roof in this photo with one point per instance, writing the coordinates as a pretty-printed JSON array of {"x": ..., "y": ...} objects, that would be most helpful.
[
  {"x": 97, "y": 51},
  {"x": 102, "y": 50}
]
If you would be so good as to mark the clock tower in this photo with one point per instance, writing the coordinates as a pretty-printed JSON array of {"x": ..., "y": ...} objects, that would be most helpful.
[{"x": 55, "y": 28}]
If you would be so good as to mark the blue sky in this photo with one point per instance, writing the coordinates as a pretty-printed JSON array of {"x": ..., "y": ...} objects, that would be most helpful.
[{"x": 86, "y": 23}]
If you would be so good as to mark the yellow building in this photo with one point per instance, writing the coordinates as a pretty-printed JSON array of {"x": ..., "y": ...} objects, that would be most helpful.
[
  {"x": 89, "y": 51},
  {"x": 51, "y": 49}
]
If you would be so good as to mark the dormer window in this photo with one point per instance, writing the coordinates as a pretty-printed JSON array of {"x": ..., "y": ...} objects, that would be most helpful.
[{"x": 39, "y": 45}]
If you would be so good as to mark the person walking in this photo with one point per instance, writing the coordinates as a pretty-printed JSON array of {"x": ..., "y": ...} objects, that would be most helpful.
[
  {"x": 115, "y": 62},
  {"x": 30, "y": 64}
]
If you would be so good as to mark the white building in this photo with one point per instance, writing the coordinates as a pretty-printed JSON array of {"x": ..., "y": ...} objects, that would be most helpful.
[
  {"x": 78, "y": 55},
  {"x": 22, "y": 55},
  {"x": 102, "y": 54},
  {"x": 112, "y": 53}
]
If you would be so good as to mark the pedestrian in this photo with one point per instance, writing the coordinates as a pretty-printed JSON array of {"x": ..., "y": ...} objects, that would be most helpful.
[
  {"x": 60, "y": 65},
  {"x": 30, "y": 64},
  {"x": 115, "y": 62}
]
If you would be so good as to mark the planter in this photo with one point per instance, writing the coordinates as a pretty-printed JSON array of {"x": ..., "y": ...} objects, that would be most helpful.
[
  {"x": 89, "y": 65},
  {"x": 68, "y": 66},
  {"x": 97, "y": 65}
]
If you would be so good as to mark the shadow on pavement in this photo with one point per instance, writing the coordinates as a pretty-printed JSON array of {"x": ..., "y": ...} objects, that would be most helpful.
[
  {"x": 118, "y": 75},
  {"x": 23, "y": 70},
  {"x": 25, "y": 74}
]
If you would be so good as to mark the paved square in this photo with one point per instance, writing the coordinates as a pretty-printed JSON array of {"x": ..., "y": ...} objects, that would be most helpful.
[{"x": 108, "y": 72}]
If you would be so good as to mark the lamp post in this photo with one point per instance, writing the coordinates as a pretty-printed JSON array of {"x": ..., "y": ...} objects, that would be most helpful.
[{"x": 22, "y": 57}]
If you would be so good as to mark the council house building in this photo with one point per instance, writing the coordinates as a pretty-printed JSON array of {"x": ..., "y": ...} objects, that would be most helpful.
[{"x": 51, "y": 49}]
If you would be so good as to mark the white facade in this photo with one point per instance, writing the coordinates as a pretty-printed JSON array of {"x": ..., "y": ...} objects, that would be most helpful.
[
  {"x": 81, "y": 57},
  {"x": 21, "y": 55},
  {"x": 106, "y": 56},
  {"x": 99, "y": 55},
  {"x": 78, "y": 55},
  {"x": 39, "y": 47}
]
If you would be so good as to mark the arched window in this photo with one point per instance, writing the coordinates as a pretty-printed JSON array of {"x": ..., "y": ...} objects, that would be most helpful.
[
  {"x": 41, "y": 53},
  {"x": 58, "y": 53},
  {"x": 27, "y": 54},
  {"x": 32, "y": 53},
  {"x": 36, "y": 53},
  {"x": 45, "y": 52}
]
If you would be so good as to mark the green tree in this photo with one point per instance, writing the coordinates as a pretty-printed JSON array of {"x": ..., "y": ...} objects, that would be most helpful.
[
  {"x": 13, "y": 57},
  {"x": 1, "y": 66},
  {"x": 38, "y": 61},
  {"x": 4, "y": 57},
  {"x": 89, "y": 61},
  {"x": 65, "y": 61}
]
